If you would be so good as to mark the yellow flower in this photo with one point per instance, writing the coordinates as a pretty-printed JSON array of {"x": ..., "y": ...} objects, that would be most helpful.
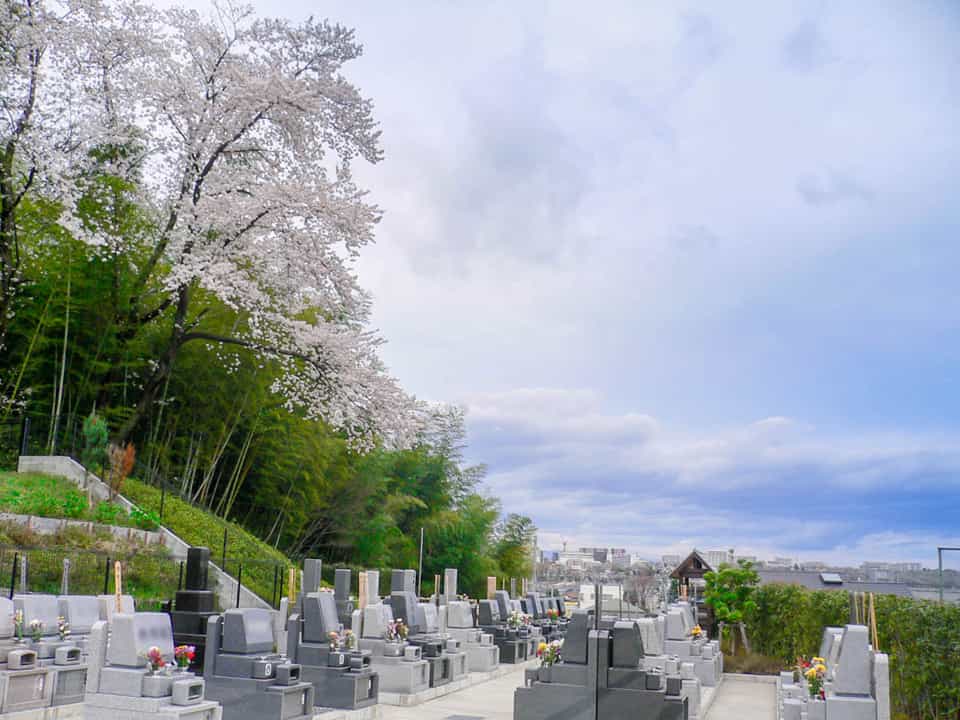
[
  {"x": 818, "y": 661},
  {"x": 820, "y": 668},
  {"x": 543, "y": 646},
  {"x": 811, "y": 673}
]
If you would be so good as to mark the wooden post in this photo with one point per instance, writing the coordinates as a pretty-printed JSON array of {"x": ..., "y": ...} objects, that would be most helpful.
[
  {"x": 118, "y": 584},
  {"x": 362, "y": 589},
  {"x": 873, "y": 624},
  {"x": 491, "y": 587}
]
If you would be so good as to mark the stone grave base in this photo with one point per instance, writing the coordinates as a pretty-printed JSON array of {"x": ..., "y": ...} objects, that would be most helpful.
[
  {"x": 101, "y": 706},
  {"x": 61, "y": 712},
  {"x": 368, "y": 713},
  {"x": 387, "y": 698}
]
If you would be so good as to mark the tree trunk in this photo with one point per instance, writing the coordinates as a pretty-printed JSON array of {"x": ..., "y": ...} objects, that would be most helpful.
[
  {"x": 162, "y": 371},
  {"x": 743, "y": 636}
]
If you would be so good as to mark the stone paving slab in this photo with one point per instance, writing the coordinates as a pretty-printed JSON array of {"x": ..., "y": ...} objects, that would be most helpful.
[
  {"x": 744, "y": 697},
  {"x": 471, "y": 679},
  {"x": 73, "y": 711}
]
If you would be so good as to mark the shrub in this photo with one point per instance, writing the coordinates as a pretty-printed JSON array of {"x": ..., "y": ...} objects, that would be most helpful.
[
  {"x": 95, "y": 434},
  {"x": 921, "y": 637},
  {"x": 108, "y": 513},
  {"x": 145, "y": 519},
  {"x": 73, "y": 504},
  {"x": 121, "y": 463}
]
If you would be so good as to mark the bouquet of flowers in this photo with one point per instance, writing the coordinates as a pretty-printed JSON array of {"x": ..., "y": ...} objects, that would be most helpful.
[
  {"x": 155, "y": 659},
  {"x": 814, "y": 670},
  {"x": 549, "y": 653},
  {"x": 396, "y": 631},
  {"x": 348, "y": 640},
  {"x": 696, "y": 631},
  {"x": 63, "y": 628},
  {"x": 334, "y": 638},
  {"x": 184, "y": 655},
  {"x": 18, "y": 624},
  {"x": 515, "y": 619},
  {"x": 36, "y": 629},
  {"x": 553, "y": 615}
]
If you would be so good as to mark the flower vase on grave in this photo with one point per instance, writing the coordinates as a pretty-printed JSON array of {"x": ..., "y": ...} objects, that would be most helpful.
[
  {"x": 184, "y": 655},
  {"x": 393, "y": 649}
]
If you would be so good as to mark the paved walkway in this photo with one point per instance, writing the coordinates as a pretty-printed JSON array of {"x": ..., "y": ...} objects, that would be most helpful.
[
  {"x": 737, "y": 699},
  {"x": 492, "y": 700},
  {"x": 744, "y": 698}
]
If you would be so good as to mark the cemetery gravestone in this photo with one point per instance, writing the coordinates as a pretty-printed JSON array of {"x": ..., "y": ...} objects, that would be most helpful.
[
  {"x": 122, "y": 687},
  {"x": 193, "y": 605},
  {"x": 399, "y": 665},
  {"x": 598, "y": 678},
  {"x": 341, "y": 678},
  {"x": 243, "y": 673}
]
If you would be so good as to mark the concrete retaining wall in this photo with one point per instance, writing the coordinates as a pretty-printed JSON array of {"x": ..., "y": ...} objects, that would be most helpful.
[
  {"x": 67, "y": 467},
  {"x": 48, "y": 526}
]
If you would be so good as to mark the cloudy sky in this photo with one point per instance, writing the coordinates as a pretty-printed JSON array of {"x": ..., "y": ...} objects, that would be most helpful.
[{"x": 693, "y": 271}]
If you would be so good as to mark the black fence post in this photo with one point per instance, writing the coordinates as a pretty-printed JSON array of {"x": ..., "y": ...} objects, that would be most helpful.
[
  {"x": 106, "y": 577},
  {"x": 180, "y": 579},
  {"x": 223, "y": 555},
  {"x": 13, "y": 574},
  {"x": 239, "y": 580},
  {"x": 25, "y": 434}
]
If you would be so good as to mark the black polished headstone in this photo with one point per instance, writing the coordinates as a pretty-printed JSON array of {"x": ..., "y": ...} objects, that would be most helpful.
[{"x": 198, "y": 564}]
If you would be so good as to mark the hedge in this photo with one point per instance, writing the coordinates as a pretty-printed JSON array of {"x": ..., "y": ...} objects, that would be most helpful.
[{"x": 921, "y": 637}]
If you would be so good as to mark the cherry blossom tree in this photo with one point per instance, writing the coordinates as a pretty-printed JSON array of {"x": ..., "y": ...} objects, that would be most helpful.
[{"x": 248, "y": 132}]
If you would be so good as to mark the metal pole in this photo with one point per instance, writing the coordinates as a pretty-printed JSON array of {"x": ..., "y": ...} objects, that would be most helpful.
[
  {"x": 223, "y": 555},
  {"x": 940, "y": 565},
  {"x": 420, "y": 565},
  {"x": 276, "y": 579},
  {"x": 940, "y": 571},
  {"x": 25, "y": 435},
  {"x": 106, "y": 577},
  {"x": 239, "y": 580},
  {"x": 13, "y": 574}
]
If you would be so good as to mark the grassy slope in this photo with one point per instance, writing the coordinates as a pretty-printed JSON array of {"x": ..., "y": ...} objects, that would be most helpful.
[
  {"x": 48, "y": 496},
  {"x": 56, "y": 497},
  {"x": 199, "y": 527}
]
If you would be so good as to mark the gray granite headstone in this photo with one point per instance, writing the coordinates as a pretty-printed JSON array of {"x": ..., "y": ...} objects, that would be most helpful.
[
  {"x": 450, "y": 584},
  {"x": 853, "y": 672},
  {"x": 132, "y": 636},
  {"x": 247, "y": 631},
  {"x": 311, "y": 575}
]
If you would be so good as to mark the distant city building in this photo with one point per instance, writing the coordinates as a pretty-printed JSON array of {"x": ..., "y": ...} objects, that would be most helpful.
[
  {"x": 619, "y": 558},
  {"x": 885, "y": 571},
  {"x": 716, "y": 558},
  {"x": 671, "y": 561},
  {"x": 549, "y": 556},
  {"x": 577, "y": 560},
  {"x": 781, "y": 563}
]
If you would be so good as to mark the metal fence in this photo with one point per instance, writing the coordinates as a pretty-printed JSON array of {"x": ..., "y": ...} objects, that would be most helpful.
[{"x": 150, "y": 579}]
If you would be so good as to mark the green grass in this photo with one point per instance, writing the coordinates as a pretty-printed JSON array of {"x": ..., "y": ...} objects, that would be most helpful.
[
  {"x": 150, "y": 574},
  {"x": 198, "y": 527},
  {"x": 46, "y": 496},
  {"x": 54, "y": 497}
]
